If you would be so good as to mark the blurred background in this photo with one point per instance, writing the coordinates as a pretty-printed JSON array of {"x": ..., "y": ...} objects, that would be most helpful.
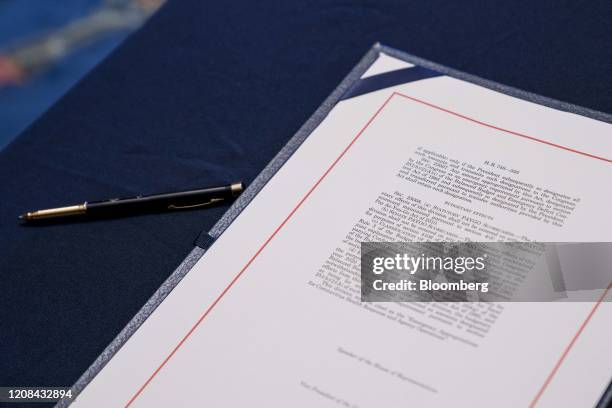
[{"x": 47, "y": 46}]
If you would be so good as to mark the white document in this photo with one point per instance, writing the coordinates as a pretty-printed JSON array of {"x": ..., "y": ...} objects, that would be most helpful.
[{"x": 270, "y": 315}]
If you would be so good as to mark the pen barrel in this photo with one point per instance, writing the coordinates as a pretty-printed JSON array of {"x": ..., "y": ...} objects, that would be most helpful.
[{"x": 183, "y": 200}]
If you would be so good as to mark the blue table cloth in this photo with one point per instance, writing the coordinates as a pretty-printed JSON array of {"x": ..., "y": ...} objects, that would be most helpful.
[{"x": 207, "y": 93}]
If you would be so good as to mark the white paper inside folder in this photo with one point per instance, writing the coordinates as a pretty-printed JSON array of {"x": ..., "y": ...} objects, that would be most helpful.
[{"x": 385, "y": 63}]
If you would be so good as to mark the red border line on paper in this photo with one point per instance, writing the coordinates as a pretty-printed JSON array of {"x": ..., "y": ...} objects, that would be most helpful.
[
  {"x": 568, "y": 348},
  {"x": 311, "y": 190},
  {"x": 535, "y": 139}
]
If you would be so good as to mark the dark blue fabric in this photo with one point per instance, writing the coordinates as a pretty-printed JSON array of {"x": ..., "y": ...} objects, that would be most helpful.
[
  {"x": 389, "y": 79},
  {"x": 207, "y": 93}
]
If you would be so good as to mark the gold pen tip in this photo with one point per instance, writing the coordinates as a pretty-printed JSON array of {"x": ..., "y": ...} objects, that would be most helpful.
[
  {"x": 237, "y": 188},
  {"x": 22, "y": 217}
]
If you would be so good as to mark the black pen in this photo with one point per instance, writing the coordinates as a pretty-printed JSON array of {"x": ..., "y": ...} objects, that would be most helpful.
[{"x": 142, "y": 204}]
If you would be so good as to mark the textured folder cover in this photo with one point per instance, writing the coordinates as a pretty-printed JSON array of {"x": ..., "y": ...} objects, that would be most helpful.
[{"x": 352, "y": 85}]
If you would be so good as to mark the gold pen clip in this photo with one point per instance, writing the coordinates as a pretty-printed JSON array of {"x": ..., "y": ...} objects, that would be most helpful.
[{"x": 186, "y": 207}]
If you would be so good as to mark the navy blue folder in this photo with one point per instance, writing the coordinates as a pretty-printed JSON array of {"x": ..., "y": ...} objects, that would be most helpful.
[{"x": 352, "y": 86}]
